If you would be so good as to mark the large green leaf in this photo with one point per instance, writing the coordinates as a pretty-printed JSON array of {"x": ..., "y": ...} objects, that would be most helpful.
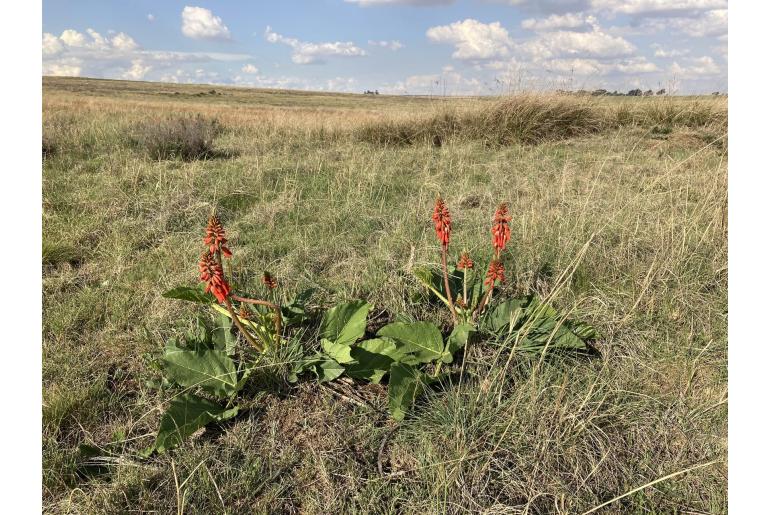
[
  {"x": 296, "y": 311},
  {"x": 190, "y": 294},
  {"x": 423, "y": 339},
  {"x": 456, "y": 341},
  {"x": 345, "y": 323},
  {"x": 223, "y": 337},
  {"x": 210, "y": 369},
  {"x": 404, "y": 386},
  {"x": 505, "y": 317},
  {"x": 337, "y": 351},
  {"x": 186, "y": 414},
  {"x": 372, "y": 359}
]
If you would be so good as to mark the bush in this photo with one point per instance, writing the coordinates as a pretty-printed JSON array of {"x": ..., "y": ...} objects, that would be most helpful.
[{"x": 183, "y": 137}]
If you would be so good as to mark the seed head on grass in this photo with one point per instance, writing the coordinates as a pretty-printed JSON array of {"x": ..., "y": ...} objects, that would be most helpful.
[
  {"x": 214, "y": 277},
  {"x": 215, "y": 237}
]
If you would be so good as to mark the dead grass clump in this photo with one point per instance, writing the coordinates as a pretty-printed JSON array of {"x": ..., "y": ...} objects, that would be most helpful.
[
  {"x": 180, "y": 137},
  {"x": 528, "y": 119}
]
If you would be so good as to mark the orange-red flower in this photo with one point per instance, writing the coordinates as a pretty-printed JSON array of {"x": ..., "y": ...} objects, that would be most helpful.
[
  {"x": 442, "y": 221},
  {"x": 215, "y": 237},
  {"x": 465, "y": 263},
  {"x": 214, "y": 277},
  {"x": 496, "y": 272},
  {"x": 269, "y": 281},
  {"x": 501, "y": 231}
]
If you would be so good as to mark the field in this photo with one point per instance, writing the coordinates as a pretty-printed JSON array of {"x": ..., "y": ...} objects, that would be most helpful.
[{"x": 619, "y": 214}]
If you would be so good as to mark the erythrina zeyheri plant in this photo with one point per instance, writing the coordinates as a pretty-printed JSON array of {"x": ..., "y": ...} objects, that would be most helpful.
[
  {"x": 469, "y": 308},
  {"x": 213, "y": 276}
]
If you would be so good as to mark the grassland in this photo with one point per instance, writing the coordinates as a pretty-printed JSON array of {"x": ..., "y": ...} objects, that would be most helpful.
[{"x": 628, "y": 196}]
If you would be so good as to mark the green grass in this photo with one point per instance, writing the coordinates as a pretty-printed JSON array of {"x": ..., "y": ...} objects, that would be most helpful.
[{"x": 302, "y": 196}]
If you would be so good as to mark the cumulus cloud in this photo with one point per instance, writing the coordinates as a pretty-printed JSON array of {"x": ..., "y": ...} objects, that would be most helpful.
[
  {"x": 137, "y": 71},
  {"x": 314, "y": 53},
  {"x": 572, "y": 21},
  {"x": 473, "y": 40},
  {"x": 392, "y": 45},
  {"x": 566, "y": 43},
  {"x": 249, "y": 68},
  {"x": 697, "y": 67},
  {"x": 118, "y": 56},
  {"x": 201, "y": 23}
]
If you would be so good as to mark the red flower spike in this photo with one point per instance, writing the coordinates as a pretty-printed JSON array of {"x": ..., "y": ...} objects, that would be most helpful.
[
  {"x": 269, "y": 281},
  {"x": 501, "y": 231},
  {"x": 496, "y": 272},
  {"x": 442, "y": 221},
  {"x": 465, "y": 263},
  {"x": 214, "y": 277},
  {"x": 215, "y": 237}
]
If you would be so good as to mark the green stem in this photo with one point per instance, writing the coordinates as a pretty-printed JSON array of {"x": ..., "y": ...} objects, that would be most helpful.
[{"x": 446, "y": 285}]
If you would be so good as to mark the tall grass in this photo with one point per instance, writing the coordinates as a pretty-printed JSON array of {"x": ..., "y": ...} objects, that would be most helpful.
[{"x": 532, "y": 119}]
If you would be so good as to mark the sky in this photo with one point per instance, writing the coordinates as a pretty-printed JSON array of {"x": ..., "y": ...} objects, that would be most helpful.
[{"x": 436, "y": 47}]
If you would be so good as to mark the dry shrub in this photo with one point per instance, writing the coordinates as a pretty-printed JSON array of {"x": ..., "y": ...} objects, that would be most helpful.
[{"x": 178, "y": 137}]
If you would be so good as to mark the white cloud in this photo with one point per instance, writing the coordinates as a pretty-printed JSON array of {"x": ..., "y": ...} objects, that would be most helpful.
[
  {"x": 119, "y": 56},
  {"x": 573, "y": 21},
  {"x": 710, "y": 24},
  {"x": 566, "y": 43},
  {"x": 51, "y": 44},
  {"x": 124, "y": 42},
  {"x": 697, "y": 67},
  {"x": 313, "y": 53},
  {"x": 249, "y": 68},
  {"x": 137, "y": 71},
  {"x": 151, "y": 17},
  {"x": 201, "y": 23},
  {"x": 64, "y": 68},
  {"x": 393, "y": 45},
  {"x": 664, "y": 53},
  {"x": 659, "y": 7},
  {"x": 73, "y": 38},
  {"x": 473, "y": 40}
]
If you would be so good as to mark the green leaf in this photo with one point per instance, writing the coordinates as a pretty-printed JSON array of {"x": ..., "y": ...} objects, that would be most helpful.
[
  {"x": 421, "y": 338},
  {"x": 223, "y": 337},
  {"x": 190, "y": 295},
  {"x": 404, "y": 386},
  {"x": 373, "y": 359},
  {"x": 337, "y": 351},
  {"x": 345, "y": 323},
  {"x": 505, "y": 316},
  {"x": 186, "y": 414},
  {"x": 210, "y": 369},
  {"x": 296, "y": 311},
  {"x": 327, "y": 370},
  {"x": 456, "y": 341}
]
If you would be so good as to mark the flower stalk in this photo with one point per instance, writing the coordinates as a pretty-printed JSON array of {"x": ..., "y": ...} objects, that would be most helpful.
[{"x": 443, "y": 225}]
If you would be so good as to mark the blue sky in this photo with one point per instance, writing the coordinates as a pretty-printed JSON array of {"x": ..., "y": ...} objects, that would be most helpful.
[{"x": 396, "y": 46}]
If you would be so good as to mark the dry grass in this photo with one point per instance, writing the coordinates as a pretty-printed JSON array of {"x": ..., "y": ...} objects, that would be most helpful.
[{"x": 642, "y": 208}]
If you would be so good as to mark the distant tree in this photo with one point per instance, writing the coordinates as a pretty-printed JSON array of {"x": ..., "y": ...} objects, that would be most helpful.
[
  {"x": 376, "y": 92},
  {"x": 648, "y": 93},
  {"x": 716, "y": 93},
  {"x": 599, "y": 92},
  {"x": 661, "y": 91},
  {"x": 635, "y": 93}
]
